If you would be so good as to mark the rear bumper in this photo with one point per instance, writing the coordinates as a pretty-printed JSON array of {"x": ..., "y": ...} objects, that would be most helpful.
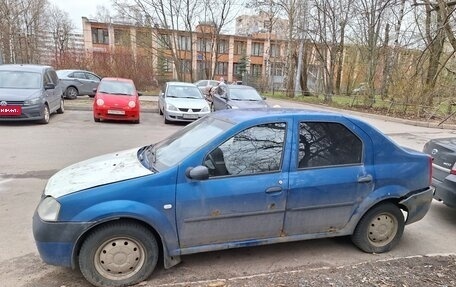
[
  {"x": 445, "y": 190},
  {"x": 418, "y": 204}
]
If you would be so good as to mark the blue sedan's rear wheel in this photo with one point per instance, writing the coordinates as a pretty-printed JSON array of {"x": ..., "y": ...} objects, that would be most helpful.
[
  {"x": 380, "y": 229},
  {"x": 118, "y": 254}
]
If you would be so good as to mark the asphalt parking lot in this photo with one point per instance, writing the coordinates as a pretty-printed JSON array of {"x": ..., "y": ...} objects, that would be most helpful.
[{"x": 32, "y": 153}]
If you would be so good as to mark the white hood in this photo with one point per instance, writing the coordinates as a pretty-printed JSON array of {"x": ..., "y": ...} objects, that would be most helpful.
[
  {"x": 96, "y": 171},
  {"x": 184, "y": 103}
]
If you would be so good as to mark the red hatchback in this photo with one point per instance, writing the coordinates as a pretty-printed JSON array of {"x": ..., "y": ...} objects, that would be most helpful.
[{"x": 116, "y": 99}]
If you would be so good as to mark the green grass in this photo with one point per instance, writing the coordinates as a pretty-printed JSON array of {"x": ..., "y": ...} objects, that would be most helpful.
[{"x": 379, "y": 106}]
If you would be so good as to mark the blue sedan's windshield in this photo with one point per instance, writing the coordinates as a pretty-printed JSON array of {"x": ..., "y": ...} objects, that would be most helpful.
[{"x": 186, "y": 141}]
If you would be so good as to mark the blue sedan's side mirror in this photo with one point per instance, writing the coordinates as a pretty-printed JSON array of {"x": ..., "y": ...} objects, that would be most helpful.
[{"x": 198, "y": 173}]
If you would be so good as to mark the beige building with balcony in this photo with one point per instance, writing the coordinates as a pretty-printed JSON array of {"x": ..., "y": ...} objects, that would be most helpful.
[{"x": 201, "y": 53}]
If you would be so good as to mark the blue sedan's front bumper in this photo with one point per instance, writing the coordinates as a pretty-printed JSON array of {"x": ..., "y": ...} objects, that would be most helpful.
[{"x": 56, "y": 241}]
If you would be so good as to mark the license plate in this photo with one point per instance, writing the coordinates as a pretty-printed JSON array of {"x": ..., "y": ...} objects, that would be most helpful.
[
  {"x": 185, "y": 116},
  {"x": 116, "y": 112},
  {"x": 10, "y": 110}
]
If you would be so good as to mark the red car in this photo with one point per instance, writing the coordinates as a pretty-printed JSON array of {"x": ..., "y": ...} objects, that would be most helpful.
[{"x": 116, "y": 99}]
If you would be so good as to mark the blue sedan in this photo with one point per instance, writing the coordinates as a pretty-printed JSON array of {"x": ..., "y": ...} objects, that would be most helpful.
[{"x": 234, "y": 178}]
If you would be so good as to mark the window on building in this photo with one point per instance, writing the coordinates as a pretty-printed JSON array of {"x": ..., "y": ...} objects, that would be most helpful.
[
  {"x": 327, "y": 144},
  {"x": 184, "y": 43},
  {"x": 222, "y": 46},
  {"x": 239, "y": 47},
  {"x": 164, "y": 41},
  {"x": 255, "y": 70},
  {"x": 221, "y": 68},
  {"x": 122, "y": 37},
  {"x": 277, "y": 69},
  {"x": 257, "y": 49},
  {"x": 143, "y": 39},
  {"x": 203, "y": 45},
  {"x": 164, "y": 65},
  {"x": 186, "y": 66},
  {"x": 275, "y": 50},
  {"x": 100, "y": 36}
]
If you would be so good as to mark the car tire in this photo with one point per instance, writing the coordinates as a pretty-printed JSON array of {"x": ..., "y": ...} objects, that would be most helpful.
[
  {"x": 46, "y": 115},
  {"x": 137, "y": 121},
  {"x": 212, "y": 108},
  {"x": 71, "y": 93},
  {"x": 134, "y": 247},
  {"x": 380, "y": 229},
  {"x": 160, "y": 112},
  {"x": 97, "y": 120},
  {"x": 61, "y": 109},
  {"x": 166, "y": 121},
  {"x": 91, "y": 96}
]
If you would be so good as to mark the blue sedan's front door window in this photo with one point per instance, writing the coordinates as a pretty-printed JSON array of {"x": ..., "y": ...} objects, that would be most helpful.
[
  {"x": 245, "y": 196},
  {"x": 252, "y": 151}
]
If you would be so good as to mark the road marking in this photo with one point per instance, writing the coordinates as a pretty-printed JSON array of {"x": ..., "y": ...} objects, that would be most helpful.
[{"x": 4, "y": 181}]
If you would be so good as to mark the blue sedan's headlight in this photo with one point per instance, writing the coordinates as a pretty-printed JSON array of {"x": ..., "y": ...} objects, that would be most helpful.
[{"x": 49, "y": 209}]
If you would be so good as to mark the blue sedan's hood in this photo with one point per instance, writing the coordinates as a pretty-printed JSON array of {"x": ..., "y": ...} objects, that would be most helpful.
[
  {"x": 248, "y": 104},
  {"x": 18, "y": 94},
  {"x": 95, "y": 172}
]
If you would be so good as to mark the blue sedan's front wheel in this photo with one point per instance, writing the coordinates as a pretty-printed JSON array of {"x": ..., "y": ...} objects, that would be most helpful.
[{"x": 118, "y": 254}]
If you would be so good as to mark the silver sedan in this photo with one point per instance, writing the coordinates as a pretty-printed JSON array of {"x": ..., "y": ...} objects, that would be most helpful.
[{"x": 78, "y": 82}]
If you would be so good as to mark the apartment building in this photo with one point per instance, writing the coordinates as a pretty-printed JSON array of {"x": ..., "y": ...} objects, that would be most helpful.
[
  {"x": 201, "y": 53},
  {"x": 52, "y": 46}
]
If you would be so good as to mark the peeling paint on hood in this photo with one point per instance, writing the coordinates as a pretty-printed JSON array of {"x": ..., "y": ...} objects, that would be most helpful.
[{"x": 96, "y": 171}]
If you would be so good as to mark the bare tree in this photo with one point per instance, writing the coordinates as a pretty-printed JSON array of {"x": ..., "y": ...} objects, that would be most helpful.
[
  {"x": 22, "y": 23},
  {"x": 329, "y": 21},
  {"x": 60, "y": 27}
]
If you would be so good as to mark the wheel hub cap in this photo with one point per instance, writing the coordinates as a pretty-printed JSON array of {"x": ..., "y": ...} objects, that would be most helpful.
[
  {"x": 119, "y": 258},
  {"x": 382, "y": 229}
]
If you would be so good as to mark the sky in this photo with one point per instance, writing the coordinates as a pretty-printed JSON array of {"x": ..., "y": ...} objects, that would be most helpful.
[{"x": 79, "y": 8}]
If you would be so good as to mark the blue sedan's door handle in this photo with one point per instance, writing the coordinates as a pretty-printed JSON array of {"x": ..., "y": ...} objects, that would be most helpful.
[
  {"x": 365, "y": 179},
  {"x": 274, "y": 189}
]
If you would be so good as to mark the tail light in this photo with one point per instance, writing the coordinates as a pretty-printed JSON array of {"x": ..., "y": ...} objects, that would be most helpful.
[{"x": 453, "y": 169}]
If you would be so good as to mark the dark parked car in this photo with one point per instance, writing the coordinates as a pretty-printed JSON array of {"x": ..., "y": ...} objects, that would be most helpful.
[
  {"x": 443, "y": 151},
  {"x": 78, "y": 83},
  {"x": 231, "y": 179},
  {"x": 29, "y": 92},
  {"x": 236, "y": 97}
]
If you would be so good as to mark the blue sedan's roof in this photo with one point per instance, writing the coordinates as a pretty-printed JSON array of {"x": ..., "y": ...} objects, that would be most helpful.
[{"x": 241, "y": 115}]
